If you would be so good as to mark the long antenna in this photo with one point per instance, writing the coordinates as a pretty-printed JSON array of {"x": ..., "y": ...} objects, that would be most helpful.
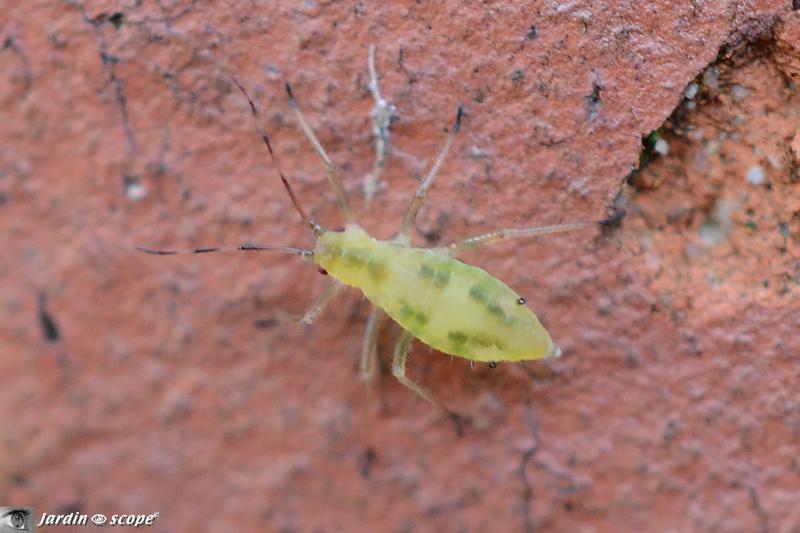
[
  {"x": 238, "y": 247},
  {"x": 315, "y": 227}
]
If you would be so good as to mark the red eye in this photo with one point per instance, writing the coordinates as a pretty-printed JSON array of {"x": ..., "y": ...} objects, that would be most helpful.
[{"x": 323, "y": 271}]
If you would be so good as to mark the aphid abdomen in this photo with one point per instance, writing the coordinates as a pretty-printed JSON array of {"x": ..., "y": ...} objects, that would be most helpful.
[{"x": 453, "y": 307}]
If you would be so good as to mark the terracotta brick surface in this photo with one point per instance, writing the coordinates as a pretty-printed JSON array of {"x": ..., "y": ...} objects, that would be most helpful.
[{"x": 138, "y": 384}]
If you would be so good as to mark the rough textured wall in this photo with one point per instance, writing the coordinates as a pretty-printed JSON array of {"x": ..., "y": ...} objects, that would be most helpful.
[{"x": 136, "y": 383}]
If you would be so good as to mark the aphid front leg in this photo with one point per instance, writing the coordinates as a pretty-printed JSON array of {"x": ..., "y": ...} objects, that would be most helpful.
[
  {"x": 485, "y": 239},
  {"x": 369, "y": 349},
  {"x": 399, "y": 371},
  {"x": 411, "y": 215},
  {"x": 321, "y": 303}
]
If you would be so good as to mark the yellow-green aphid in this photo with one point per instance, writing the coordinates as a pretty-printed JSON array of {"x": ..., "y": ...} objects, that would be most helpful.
[{"x": 454, "y": 307}]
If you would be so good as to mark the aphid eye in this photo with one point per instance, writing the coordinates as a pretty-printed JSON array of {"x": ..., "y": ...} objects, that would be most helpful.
[
  {"x": 338, "y": 229},
  {"x": 322, "y": 271},
  {"x": 492, "y": 364},
  {"x": 521, "y": 300}
]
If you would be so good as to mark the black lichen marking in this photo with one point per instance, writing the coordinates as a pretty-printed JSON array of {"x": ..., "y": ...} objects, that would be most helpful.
[
  {"x": 476, "y": 292},
  {"x": 594, "y": 101},
  {"x": 532, "y": 33},
  {"x": 264, "y": 323},
  {"x": 366, "y": 461},
  {"x": 614, "y": 220},
  {"x": 116, "y": 20},
  {"x": 49, "y": 327}
]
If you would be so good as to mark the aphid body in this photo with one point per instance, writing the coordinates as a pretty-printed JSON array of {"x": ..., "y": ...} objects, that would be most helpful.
[
  {"x": 456, "y": 308},
  {"x": 451, "y": 306}
]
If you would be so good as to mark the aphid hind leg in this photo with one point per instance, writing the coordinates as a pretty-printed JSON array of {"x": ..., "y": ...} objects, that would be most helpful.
[
  {"x": 399, "y": 371},
  {"x": 422, "y": 190},
  {"x": 485, "y": 239},
  {"x": 369, "y": 349},
  {"x": 332, "y": 171}
]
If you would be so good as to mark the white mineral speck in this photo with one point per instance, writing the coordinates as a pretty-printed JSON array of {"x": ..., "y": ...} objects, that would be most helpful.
[
  {"x": 711, "y": 77},
  {"x": 135, "y": 191},
  {"x": 715, "y": 228},
  {"x": 691, "y": 91},
  {"x": 661, "y": 147},
  {"x": 755, "y": 175},
  {"x": 739, "y": 93}
]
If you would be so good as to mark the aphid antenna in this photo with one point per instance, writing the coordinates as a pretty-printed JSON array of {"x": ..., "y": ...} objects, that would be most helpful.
[
  {"x": 315, "y": 227},
  {"x": 247, "y": 247}
]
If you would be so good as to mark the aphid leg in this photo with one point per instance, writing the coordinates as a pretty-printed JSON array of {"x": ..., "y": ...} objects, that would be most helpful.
[
  {"x": 492, "y": 237},
  {"x": 321, "y": 303},
  {"x": 419, "y": 196},
  {"x": 399, "y": 371},
  {"x": 310, "y": 316},
  {"x": 331, "y": 172},
  {"x": 369, "y": 349},
  {"x": 382, "y": 114}
]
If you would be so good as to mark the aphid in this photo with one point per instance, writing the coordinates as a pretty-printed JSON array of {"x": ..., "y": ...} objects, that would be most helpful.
[{"x": 451, "y": 306}]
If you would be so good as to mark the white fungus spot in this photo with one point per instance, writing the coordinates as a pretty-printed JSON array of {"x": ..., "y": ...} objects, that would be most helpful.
[
  {"x": 133, "y": 188},
  {"x": 566, "y": 7},
  {"x": 739, "y": 93},
  {"x": 774, "y": 161},
  {"x": 717, "y": 225},
  {"x": 691, "y": 91},
  {"x": 755, "y": 175},
  {"x": 711, "y": 77},
  {"x": 661, "y": 147}
]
